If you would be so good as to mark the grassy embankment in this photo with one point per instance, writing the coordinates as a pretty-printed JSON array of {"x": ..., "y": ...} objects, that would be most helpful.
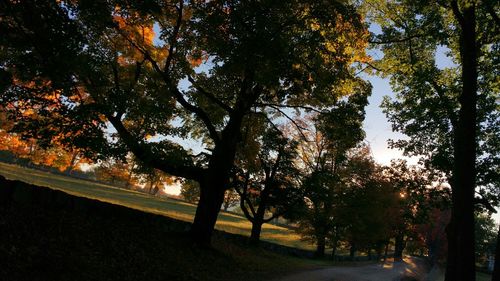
[
  {"x": 57, "y": 244},
  {"x": 46, "y": 234},
  {"x": 171, "y": 208}
]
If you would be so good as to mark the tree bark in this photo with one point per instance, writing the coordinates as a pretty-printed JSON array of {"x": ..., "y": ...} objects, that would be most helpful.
[
  {"x": 352, "y": 251},
  {"x": 461, "y": 257},
  {"x": 256, "y": 230},
  {"x": 379, "y": 252},
  {"x": 209, "y": 205},
  {"x": 334, "y": 247},
  {"x": 72, "y": 163},
  {"x": 399, "y": 247},
  {"x": 214, "y": 183},
  {"x": 320, "y": 246}
]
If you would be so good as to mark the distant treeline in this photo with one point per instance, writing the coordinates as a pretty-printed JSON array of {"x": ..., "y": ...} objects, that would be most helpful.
[{"x": 7, "y": 156}]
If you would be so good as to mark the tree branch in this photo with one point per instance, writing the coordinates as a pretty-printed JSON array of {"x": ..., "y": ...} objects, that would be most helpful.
[
  {"x": 243, "y": 198},
  {"x": 456, "y": 12},
  {"x": 275, "y": 166},
  {"x": 441, "y": 94},
  {"x": 299, "y": 128},
  {"x": 485, "y": 203},
  {"x": 396, "y": 40},
  {"x": 305, "y": 107},
  {"x": 210, "y": 95},
  {"x": 200, "y": 113},
  {"x": 274, "y": 215},
  {"x": 145, "y": 154},
  {"x": 137, "y": 75},
  {"x": 373, "y": 66},
  {"x": 173, "y": 38}
]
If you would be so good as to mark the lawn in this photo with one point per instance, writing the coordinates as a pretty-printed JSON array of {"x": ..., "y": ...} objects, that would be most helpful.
[
  {"x": 50, "y": 235},
  {"x": 480, "y": 276},
  {"x": 168, "y": 207}
]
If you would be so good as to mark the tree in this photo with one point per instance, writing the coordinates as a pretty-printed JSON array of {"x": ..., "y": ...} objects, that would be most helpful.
[
  {"x": 322, "y": 151},
  {"x": 485, "y": 235},
  {"x": 55, "y": 156},
  {"x": 269, "y": 184},
  {"x": 449, "y": 112},
  {"x": 418, "y": 191},
  {"x": 123, "y": 64},
  {"x": 116, "y": 172},
  {"x": 369, "y": 203},
  {"x": 153, "y": 180},
  {"x": 433, "y": 235},
  {"x": 315, "y": 224},
  {"x": 231, "y": 199},
  {"x": 190, "y": 192},
  {"x": 496, "y": 269}
]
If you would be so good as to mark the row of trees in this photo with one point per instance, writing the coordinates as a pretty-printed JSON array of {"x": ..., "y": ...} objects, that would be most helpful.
[
  {"x": 104, "y": 77},
  {"x": 131, "y": 174},
  {"x": 449, "y": 112}
]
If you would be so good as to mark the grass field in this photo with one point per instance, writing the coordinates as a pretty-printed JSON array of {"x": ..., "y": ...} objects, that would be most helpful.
[
  {"x": 172, "y": 208},
  {"x": 50, "y": 235},
  {"x": 483, "y": 277}
]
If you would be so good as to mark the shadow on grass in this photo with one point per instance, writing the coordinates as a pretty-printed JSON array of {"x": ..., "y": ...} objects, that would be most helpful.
[{"x": 48, "y": 235}]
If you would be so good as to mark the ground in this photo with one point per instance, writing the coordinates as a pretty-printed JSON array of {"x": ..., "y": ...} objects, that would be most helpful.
[
  {"x": 389, "y": 271},
  {"x": 411, "y": 269},
  {"x": 99, "y": 241},
  {"x": 176, "y": 209},
  {"x": 49, "y": 235}
]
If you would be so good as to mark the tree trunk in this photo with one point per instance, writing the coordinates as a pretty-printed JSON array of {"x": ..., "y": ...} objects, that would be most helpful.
[
  {"x": 155, "y": 190},
  {"x": 72, "y": 163},
  {"x": 209, "y": 205},
  {"x": 379, "y": 251},
  {"x": 334, "y": 247},
  {"x": 256, "y": 230},
  {"x": 461, "y": 257},
  {"x": 320, "y": 246},
  {"x": 386, "y": 250},
  {"x": 352, "y": 251},
  {"x": 399, "y": 247},
  {"x": 496, "y": 267}
]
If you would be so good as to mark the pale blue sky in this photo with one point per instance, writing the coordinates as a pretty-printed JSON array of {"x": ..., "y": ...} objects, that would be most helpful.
[{"x": 377, "y": 128}]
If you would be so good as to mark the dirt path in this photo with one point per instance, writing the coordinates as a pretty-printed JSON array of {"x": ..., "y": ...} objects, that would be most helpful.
[{"x": 390, "y": 271}]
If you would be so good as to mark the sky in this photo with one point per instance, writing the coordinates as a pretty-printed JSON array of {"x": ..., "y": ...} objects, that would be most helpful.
[{"x": 377, "y": 128}]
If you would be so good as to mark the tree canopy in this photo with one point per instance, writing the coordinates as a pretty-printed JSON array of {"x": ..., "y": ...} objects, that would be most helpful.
[
  {"x": 450, "y": 112},
  {"x": 117, "y": 76}
]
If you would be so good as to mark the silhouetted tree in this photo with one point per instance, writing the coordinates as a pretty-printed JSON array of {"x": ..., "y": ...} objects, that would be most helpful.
[{"x": 173, "y": 68}]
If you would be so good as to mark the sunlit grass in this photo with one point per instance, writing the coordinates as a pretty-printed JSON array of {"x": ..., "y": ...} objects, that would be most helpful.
[{"x": 163, "y": 206}]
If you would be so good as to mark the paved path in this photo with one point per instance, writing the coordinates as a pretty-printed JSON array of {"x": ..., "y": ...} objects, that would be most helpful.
[{"x": 389, "y": 271}]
